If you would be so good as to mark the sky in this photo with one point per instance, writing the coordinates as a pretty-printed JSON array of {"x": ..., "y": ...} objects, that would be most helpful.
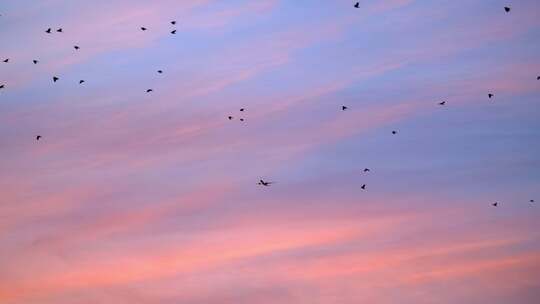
[{"x": 143, "y": 198}]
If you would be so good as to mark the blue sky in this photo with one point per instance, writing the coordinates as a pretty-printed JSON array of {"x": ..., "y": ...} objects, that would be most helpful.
[{"x": 135, "y": 197}]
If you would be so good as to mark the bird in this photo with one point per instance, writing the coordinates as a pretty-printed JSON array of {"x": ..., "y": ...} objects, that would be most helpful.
[
  {"x": 81, "y": 81},
  {"x": 173, "y": 22},
  {"x": 537, "y": 77},
  {"x": 230, "y": 117},
  {"x": 2, "y": 86},
  {"x": 531, "y": 201},
  {"x": 48, "y": 31},
  {"x": 495, "y": 204},
  {"x": 442, "y": 103},
  {"x": 394, "y": 132},
  {"x": 55, "y": 79},
  {"x": 173, "y": 32},
  {"x": 143, "y": 28},
  {"x": 76, "y": 47},
  {"x": 363, "y": 187},
  {"x": 507, "y": 9},
  {"x": 343, "y": 108},
  {"x": 367, "y": 170},
  {"x": 490, "y": 95},
  {"x": 6, "y": 60},
  {"x": 35, "y": 61},
  {"x": 357, "y": 5},
  {"x": 38, "y": 137},
  {"x": 242, "y": 109},
  {"x": 59, "y": 30},
  {"x": 160, "y": 71},
  {"x": 241, "y": 119},
  {"x": 149, "y": 90},
  {"x": 263, "y": 183}
]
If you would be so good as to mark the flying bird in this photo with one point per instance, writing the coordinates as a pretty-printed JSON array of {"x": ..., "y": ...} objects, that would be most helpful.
[
  {"x": 48, "y": 31},
  {"x": 242, "y": 109},
  {"x": 367, "y": 170},
  {"x": 160, "y": 71},
  {"x": 490, "y": 95},
  {"x": 35, "y": 61},
  {"x": 76, "y": 47},
  {"x": 38, "y": 137},
  {"x": 357, "y": 5},
  {"x": 343, "y": 108},
  {"x": 173, "y": 22},
  {"x": 230, "y": 117},
  {"x": 442, "y": 103},
  {"x": 55, "y": 79},
  {"x": 263, "y": 183},
  {"x": 6, "y": 60},
  {"x": 394, "y": 132},
  {"x": 149, "y": 90},
  {"x": 537, "y": 77},
  {"x": 531, "y": 201},
  {"x": 143, "y": 28},
  {"x": 173, "y": 32},
  {"x": 495, "y": 204},
  {"x": 81, "y": 81},
  {"x": 507, "y": 9},
  {"x": 241, "y": 119},
  {"x": 1, "y": 86},
  {"x": 363, "y": 187},
  {"x": 59, "y": 30}
]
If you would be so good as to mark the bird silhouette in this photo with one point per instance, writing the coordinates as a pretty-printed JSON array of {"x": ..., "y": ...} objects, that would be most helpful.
[
  {"x": 173, "y": 22},
  {"x": 537, "y": 77},
  {"x": 81, "y": 81},
  {"x": 160, "y": 71},
  {"x": 35, "y": 61},
  {"x": 263, "y": 183},
  {"x": 149, "y": 90},
  {"x": 363, "y": 187},
  {"x": 2, "y": 86},
  {"x": 6, "y": 60},
  {"x": 230, "y": 117},
  {"x": 241, "y": 119},
  {"x": 531, "y": 201},
  {"x": 495, "y": 204},
  {"x": 173, "y": 32},
  {"x": 48, "y": 31},
  {"x": 59, "y": 30},
  {"x": 76, "y": 47},
  {"x": 242, "y": 109},
  {"x": 143, "y": 28},
  {"x": 507, "y": 9},
  {"x": 357, "y": 5},
  {"x": 442, "y": 103},
  {"x": 490, "y": 95},
  {"x": 38, "y": 137},
  {"x": 55, "y": 79},
  {"x": 343, "y": 108},
  {"x": 367, "y": 170},
  {"x": 394, "y": 132}
]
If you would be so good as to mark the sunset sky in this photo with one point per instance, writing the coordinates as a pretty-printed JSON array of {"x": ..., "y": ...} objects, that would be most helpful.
[{"x": 151, "y": 198}]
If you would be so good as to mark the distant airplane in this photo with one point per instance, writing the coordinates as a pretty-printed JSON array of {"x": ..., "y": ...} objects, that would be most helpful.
[{"x": 263, "y": 183}]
